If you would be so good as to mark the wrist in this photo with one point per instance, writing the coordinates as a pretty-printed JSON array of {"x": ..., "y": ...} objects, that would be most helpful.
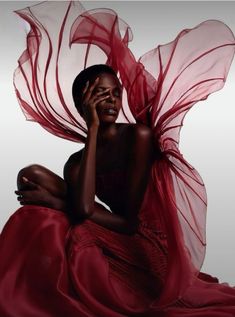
[{"x": 93, "y": 129}]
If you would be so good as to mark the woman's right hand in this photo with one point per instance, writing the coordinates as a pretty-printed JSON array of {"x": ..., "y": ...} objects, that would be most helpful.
[
  {"x": 90, "y": 100},
  {"x": 34, "y": 194}
]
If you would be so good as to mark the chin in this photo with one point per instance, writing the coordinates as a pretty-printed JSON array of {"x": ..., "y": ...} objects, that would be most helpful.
[{"x": 107, "y": 119}]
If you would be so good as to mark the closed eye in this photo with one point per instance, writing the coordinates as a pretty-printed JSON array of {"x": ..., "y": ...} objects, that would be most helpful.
[{"x": 117, "y": 93}]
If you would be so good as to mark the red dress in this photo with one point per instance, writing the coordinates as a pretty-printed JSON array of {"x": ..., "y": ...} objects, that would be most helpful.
[{"x": 50, "y": 268}]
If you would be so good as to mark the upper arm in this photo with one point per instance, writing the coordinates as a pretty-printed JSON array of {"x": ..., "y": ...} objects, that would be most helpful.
[
  {"x": 140, "y": 158},
  {"x": 71, "y": 169}
]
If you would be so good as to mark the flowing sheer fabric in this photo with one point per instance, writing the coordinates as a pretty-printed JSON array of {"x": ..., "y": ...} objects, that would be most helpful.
[{"x": 159, "y": 88}]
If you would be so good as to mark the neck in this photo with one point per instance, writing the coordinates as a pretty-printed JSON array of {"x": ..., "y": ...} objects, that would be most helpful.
[{"x": 106, "y": 133}]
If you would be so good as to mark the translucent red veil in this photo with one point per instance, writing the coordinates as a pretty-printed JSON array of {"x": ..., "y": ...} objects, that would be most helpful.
[{"x": 159, "y": 89}]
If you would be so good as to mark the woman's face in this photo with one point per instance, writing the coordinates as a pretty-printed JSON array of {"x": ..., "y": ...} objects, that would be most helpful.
[{"x": 108, "y": 109}]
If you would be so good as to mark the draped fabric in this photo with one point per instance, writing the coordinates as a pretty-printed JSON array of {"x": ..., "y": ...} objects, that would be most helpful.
[{"x": 159, "y": 89}]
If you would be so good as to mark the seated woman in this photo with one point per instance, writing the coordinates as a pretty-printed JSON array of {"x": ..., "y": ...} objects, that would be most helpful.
[
  {"x": 107, "y": 263},
  {"x": 97, "y": 95},
  {"x": 66, "y": 254},
  {"x": 63, "y": 253}
]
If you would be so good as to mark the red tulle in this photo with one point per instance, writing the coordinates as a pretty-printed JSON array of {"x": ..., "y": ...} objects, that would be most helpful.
[{"x": 51, "y": 269}]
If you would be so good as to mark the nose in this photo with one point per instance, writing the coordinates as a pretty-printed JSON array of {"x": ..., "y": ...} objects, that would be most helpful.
[{"x": 111, "y": 96}]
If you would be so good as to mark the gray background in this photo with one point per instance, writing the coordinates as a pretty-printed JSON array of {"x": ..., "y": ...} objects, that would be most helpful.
[{"x": 207, "y": 138}]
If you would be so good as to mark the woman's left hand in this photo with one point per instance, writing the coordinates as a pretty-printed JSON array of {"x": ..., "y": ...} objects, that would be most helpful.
[
  {"x": 90, "y": 100},
  {"x": 34, "y": 194}
]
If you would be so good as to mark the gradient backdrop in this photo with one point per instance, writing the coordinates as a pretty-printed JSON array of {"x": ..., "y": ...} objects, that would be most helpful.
[{"x": 207, "y": 138}]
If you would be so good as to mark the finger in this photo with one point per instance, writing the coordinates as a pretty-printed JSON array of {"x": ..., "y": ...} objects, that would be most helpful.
[
  {"x": 94, "y": 83},
  {"x": 29, "y": 183},
  {"x": 27, "y": 203},
  {"x": 91, "y": 89},
  {"x": 103, "y": 92},
  {"x": 20, "y": 193},
  {"x": 86, "y": 87},
  {"x": 100, "y": 99},
  {"x": 21, "y": 198},
  {"x": 24, "y": 195},
  {"x": 96, "y": 99},
  {"x": 24, "y": 200}
]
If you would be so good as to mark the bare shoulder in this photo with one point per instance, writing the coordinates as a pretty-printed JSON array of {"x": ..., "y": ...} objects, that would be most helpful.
[
  {"x": 139, "y": 141},
  {"x": 138, "y": 132},
  {"x": 72, "y": 164}
]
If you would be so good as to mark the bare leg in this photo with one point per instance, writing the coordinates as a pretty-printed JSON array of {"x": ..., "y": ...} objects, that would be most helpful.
[{"x": 43, "y": 177}]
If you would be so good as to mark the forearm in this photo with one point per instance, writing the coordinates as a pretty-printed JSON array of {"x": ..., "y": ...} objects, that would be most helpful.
[
  {"x": 82, "y": 194},
  {"x": 112, "y": 221}
]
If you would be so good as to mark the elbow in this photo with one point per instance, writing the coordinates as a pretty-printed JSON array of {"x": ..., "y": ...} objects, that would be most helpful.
[
  {"x": 78, "y": 216},
  {"x": 85, "y": 212},
  {"x": 79, "y": 213}
]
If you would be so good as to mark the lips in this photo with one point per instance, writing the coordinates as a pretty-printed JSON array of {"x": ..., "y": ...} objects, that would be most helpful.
[{"x": 112, "y": 111}]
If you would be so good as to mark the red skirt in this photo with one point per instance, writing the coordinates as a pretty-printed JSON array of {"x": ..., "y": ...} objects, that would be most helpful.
[{"x": 49, "y": 268}]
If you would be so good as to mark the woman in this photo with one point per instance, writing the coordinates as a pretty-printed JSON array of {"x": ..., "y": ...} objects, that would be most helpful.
[
  {"x": 143, "y": 258},
  {"x": 115, "y": 165},
  {"x": 104, "y": 152}
]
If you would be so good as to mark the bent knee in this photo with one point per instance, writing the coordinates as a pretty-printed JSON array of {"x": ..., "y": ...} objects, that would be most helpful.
[
  {"x": 44, "y": 177},
  {"x": 31, "y": 172}
]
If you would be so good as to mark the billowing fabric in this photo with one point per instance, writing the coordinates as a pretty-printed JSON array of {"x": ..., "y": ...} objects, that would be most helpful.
[{"x": 51, "y": 268}]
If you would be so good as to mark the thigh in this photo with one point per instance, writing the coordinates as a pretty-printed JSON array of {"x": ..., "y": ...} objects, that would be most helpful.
[{"x": 43, "y": 177}]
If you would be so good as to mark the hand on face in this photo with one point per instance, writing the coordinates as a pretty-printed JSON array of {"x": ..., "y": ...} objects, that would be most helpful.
[
  {"x": 91, "y": 99},
  {"x": 102, "y": 100},
  {"x": 34, "y": 194}
]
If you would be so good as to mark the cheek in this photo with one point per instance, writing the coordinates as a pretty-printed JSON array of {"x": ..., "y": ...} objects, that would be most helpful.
[
  {"x": 100, "y": 105},
  {"x": 119, "y": 104}
]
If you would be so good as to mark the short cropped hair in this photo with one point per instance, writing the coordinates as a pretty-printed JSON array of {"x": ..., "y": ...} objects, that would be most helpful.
[{"x": 90, "y": 73}]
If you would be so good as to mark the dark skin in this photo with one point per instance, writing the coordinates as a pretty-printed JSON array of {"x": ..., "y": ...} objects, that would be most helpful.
[{"x": 109, "y": 145}]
